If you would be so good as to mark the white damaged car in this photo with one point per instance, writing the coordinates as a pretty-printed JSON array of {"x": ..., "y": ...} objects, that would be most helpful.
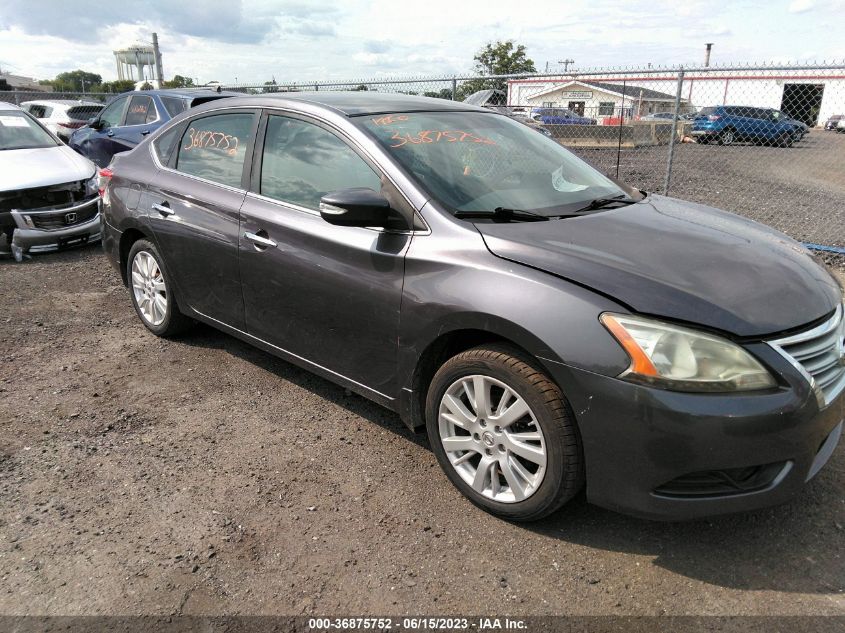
[{"x": 48, "y": 192}]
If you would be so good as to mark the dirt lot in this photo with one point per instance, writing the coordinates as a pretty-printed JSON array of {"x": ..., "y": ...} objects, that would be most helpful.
[
  {"x": 201, "y": 476},
  {"x": 799, "y": 190}
]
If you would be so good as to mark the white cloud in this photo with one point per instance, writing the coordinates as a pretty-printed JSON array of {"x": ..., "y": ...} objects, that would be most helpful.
[{"x": 801, "y": 6}]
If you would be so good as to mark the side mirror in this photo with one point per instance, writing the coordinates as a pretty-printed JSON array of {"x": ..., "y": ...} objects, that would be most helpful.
[
  {"x": 355, "y": 207},
  {"x": 95, "y": 123}
]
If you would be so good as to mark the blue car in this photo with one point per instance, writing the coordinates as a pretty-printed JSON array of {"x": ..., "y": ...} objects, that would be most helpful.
[
  {"x": 727, "y": 125},
  {"x": 131, "y": 116},
  {"x": 560, "y": 116}
]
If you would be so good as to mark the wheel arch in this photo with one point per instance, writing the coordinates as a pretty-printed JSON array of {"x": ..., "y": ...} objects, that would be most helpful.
[
  {"x": 451, "y": 341},
  {"x": 127, "y": 239}
]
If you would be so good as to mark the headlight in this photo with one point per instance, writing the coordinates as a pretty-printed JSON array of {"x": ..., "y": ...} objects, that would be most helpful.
[
  {"x": 680, "y": 359},
  {"x": 91, "y": 185}
]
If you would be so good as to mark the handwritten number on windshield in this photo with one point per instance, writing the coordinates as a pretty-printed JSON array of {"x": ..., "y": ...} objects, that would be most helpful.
[{"x": 436, "y": 136}]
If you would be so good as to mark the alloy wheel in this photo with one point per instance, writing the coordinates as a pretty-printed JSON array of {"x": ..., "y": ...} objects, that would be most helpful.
[
  {"x": 492, "y": 438},
  {"x": 149, "y": 288}
]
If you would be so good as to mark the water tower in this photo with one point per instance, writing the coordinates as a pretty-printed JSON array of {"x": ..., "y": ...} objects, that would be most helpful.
[{"x": 132, "y": 60}]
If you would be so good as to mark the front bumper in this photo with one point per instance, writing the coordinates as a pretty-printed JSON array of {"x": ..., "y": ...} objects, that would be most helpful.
[
  {"x": 643, "y": 446},
  {"x": 29, "y": 237}
]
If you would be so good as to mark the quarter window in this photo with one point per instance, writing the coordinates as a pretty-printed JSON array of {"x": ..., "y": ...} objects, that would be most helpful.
[
  {"x": 174, "y": 105},
  {"x": 214, "y": 148},
  {"x": 302, "y": 162}
]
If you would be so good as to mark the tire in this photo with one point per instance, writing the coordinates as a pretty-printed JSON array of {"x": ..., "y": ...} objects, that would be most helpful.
[
  {"x": 487, "y": 462},
  {"x": 154, "y": 300},
  {"x": 727, "y": 137},
  {"x": 785, "y": 140}
]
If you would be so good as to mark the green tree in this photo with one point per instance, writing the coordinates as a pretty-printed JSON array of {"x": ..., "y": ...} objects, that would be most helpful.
[
  {"x": 115, "y": 87},
  {"x": 76, "y": 81},
  {"x": 179, "y": 81},
  {"x": 443, "y": 93},
  {"x": 501, "y": 58},
  {"x": 270, "y": 86},
  {"x": 360, "y": 88},
  {"x": 146, "y": 86}
]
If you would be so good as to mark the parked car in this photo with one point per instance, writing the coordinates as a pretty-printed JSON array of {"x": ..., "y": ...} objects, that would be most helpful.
[
  {"x": 550, "y": 327},
  {"x": 534, "y": 125},
  {"x": 131, "y": 116},
  {"x": 48, "y": 192},
  {"x": 727, "y": 125},
  {"x": 833, "y": 121},
  {"x": 560, "y": 116},
  {"x": 62, "y": 117}
]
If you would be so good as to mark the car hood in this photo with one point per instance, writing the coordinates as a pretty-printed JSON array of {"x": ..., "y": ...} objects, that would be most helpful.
[
  {"x": 679, "y": 260},
  {"x": 41, "y": 167}
]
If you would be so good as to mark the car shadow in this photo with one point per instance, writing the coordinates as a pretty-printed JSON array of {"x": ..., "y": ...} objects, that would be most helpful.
[{"x": 796, "y": 547}]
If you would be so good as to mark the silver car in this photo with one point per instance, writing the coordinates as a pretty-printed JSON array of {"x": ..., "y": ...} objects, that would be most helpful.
[{"x": 48, "y": 192}]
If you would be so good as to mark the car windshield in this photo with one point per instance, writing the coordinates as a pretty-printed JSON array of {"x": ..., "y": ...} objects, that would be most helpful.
[
  {"x": 18, "y": 131},
  {"x": 474, "y": 161}
]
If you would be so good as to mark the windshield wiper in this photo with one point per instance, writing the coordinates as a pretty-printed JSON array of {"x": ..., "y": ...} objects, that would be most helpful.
[
  {"x": 503, "y": 214},
  {"x": 600, "y": 203}
]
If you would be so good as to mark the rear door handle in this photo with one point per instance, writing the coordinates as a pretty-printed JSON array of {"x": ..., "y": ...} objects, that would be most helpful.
[
  {"x": 109, "y": 133},
  {"x": 260, "y": 240},
  {"x": 163, "y": 208}
]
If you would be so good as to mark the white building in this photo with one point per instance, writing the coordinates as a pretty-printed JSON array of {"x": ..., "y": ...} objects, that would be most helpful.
[{"x": 811, "y": 95}]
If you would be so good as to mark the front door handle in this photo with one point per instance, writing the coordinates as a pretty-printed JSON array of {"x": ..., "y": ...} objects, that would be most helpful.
[
  {"x": 144, "y": 132},
  {"x": 109, "y": 133},
  {"x": 260, "y": 240},
  {"x": 163, "y": 208}
]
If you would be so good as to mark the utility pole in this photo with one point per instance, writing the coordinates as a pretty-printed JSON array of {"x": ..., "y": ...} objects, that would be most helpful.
[
  {"x": 157, "y": 57},
  {"x": 566, "y": 63}
]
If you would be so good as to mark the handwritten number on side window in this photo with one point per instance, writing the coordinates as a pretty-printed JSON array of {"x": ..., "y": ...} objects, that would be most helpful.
[{"x": 206, "y": 139}]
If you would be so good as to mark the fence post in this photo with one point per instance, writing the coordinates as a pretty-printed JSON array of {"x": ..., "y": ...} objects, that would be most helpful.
[
  {"x": 677, "y": 113},
  {"x": 454, "y": 89}
]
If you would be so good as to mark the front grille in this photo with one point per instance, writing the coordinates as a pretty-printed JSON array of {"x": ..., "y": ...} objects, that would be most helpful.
[
  {"x": 819, "y": 354},
  {"x": 63, "y": 218},
  {"x": 729, "y": 481},
  {"x": 68, "y": 193}
]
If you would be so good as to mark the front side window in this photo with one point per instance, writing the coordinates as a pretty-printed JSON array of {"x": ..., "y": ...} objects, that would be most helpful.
[
  {"x": 214, "y": 147},
  {"x": 141, "y": 111},
  {"x": 302, "y": 162},
  {"x": 18, "y": 131},
  {"x": 112, "y": 115},
  {"x": 474, "y": 161}
]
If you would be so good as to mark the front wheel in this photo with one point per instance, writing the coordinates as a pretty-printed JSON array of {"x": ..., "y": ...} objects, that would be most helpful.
[
  {"x": 727, "y": 137},
  {"x": 503, "y": 433}
]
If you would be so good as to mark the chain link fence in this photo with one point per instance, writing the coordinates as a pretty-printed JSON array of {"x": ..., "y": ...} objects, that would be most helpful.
[{"x": 762, "y": 141}]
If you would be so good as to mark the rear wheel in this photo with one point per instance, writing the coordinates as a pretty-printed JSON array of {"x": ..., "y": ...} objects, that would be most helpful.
[
  {"x": 154, "y": 300},
  {"x": 503, "y": 433},
  {"x": 727, "y": 137}
]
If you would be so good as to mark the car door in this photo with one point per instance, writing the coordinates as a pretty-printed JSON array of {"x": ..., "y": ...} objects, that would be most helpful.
[
  {"x": 193, "y": 207},
  {"x": 140, "y": 119},
  {"x": 325, "y": 293},
  {"x": 98, "y": 144}
]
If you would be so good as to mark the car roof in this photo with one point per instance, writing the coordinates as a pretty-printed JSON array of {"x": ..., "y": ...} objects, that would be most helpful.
[
  {"x": 355, "y": 103},
  {"x": 183, "y": 93},
  {"x": 8, "y": 106},
  {"x": 65, "y": 102}
]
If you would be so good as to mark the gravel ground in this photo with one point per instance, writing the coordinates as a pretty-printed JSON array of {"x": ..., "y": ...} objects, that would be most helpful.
[
  {"x": 799, "y": 190},
  {"x": 201, "y": 476}
]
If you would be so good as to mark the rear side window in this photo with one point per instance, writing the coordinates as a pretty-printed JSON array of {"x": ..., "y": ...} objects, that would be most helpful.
[
  {"x": 174, "y": 105},
  {"x": 83, "y": 112},
  {"x": 141, "y": 111},
  {"x": 214, "y": 148},
  {"x": 40, "y": 111},
  {"x": 302, "y": 162}
]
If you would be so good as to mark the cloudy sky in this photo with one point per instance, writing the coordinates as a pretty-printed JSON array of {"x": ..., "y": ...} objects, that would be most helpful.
[{"x": 254, "y": 40}]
